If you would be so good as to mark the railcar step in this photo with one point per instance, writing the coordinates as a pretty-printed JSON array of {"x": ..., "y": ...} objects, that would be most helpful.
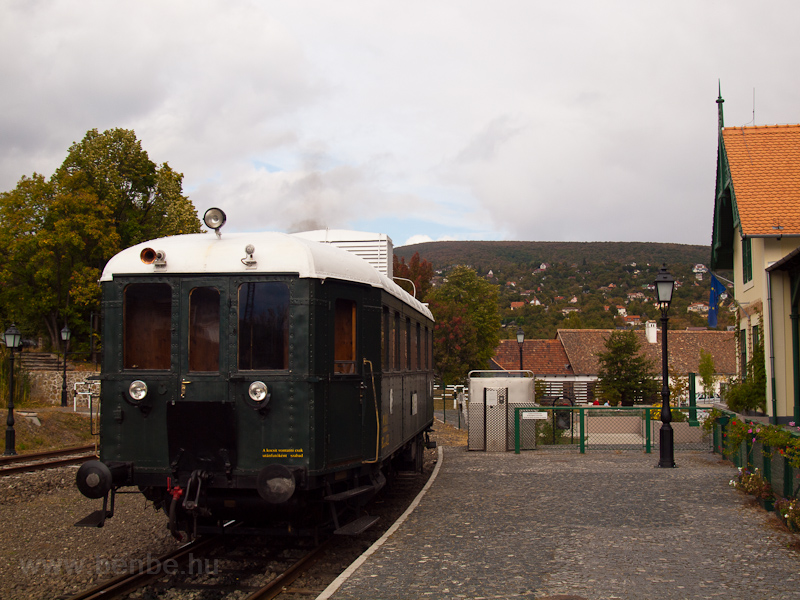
[
  {"x": 94, "y": 519},
  {"x": 350, "y": 493},
  {"x": 360, "y": 525}
]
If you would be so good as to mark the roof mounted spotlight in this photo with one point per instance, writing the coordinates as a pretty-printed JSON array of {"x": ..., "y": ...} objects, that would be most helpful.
[{"x": 214, "y": 218}]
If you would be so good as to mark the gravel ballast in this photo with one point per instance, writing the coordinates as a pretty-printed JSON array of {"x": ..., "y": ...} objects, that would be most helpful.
[{"x": 44, "y": 556}]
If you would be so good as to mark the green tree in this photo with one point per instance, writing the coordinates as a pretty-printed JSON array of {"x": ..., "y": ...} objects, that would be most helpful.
[
  {"x": 454, "y": 341},
  {"x": 706, "y": 371},
  {"x": 57, "y": 235},
  {"x": 465, "y": 308},
  {"x": 625, "y": 373},
  {"x": 751, "y": 392},
  {"x": 145, "y": 200},
  {"x": 419, "y": 271}
]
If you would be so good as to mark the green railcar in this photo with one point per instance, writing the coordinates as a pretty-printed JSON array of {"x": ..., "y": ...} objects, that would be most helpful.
[{"x": 269, "y": 378}]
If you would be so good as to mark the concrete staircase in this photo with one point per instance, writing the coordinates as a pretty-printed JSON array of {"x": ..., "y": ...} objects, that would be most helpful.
[{"x": 42, "y": 361}]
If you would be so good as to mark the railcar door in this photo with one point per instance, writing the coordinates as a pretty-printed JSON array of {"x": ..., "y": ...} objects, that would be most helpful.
[
  {"x": 346, "y": 390},
  {"x": 200, "y": 423}
]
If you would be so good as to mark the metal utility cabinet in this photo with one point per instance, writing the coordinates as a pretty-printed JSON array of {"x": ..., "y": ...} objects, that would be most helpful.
[{"x": 493, "y": 395}]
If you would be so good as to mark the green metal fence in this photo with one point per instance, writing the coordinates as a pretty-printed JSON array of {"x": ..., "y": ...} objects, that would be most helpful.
[
  {"x": 599, "y": 428},
  {"x": 775, "y": 468}
]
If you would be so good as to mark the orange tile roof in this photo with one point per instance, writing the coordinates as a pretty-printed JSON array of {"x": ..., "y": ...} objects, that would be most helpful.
[
  {"x": 765, "y": 168},
  {"x": 543, "y": 357},
  {"x": 583, "y": 345}
]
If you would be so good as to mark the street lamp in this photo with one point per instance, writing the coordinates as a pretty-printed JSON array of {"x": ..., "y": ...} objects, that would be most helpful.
[
  {"x": 65, "y": 333},
  {"x": 665, "y": 284},
  {"x": 13, "y": 341},
  {"x": 520, "y": 341}
]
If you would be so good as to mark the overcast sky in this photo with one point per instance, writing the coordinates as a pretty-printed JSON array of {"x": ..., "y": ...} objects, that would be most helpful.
[{"x": 451, "y": 119}]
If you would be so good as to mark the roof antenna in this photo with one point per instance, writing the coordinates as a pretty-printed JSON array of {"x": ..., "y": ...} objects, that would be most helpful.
[{"x": 753, "y": 122}]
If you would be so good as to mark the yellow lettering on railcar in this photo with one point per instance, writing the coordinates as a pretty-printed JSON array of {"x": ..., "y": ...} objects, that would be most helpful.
[
  {"x": 282, "y": 453},
  {"x": 385, "y": 433}
]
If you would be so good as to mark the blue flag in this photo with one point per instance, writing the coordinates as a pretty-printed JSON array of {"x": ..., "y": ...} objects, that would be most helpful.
[{"x": 717, "y": 289}]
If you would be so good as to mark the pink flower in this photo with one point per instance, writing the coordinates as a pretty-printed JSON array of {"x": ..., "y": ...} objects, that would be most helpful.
[{"x": 791, "y": 423}]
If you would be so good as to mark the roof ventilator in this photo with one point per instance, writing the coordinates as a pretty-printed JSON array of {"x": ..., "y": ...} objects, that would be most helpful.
[{"x": 248, "y": 261}]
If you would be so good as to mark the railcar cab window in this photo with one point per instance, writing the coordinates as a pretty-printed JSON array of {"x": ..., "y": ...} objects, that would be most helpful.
[
  {"x": 263, "y": 326},
  {"x": 344, "y": 337},
  {"x": 147, "y": 309},
  {"x": 204, "y": 329}
]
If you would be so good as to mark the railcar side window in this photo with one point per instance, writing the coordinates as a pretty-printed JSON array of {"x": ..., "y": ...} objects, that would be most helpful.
[
  {"x": 418, "y": 347},
  {"x": 204, "y": 329},
  {"x": 344, "y": 357},
  {"x": 428, "y": 361},
  {"x": 409, "y": 344},
  {"x": 147, "y": 332},
  {"x": 396, "y": 345},
  {"x": 263, "y": 326},
  {"x": 386, "y": 338}
]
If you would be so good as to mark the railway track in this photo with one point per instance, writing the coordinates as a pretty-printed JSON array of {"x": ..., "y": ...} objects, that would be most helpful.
[
  {"x": 37, "y": 461},
  {"x": 195, "y": 566}
]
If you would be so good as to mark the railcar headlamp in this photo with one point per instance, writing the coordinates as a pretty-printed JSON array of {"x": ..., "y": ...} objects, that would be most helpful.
[
  {"x": 258, "y": 391},
  {"x": 214, "y": 218},
  {"x": 137, "y": 390}
]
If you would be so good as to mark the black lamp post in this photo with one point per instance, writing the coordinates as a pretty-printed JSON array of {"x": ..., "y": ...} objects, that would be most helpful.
[
  {"x": 13, "y": 341},
  {"x": 520, "y": 341},
  {"x": 665, "y": 284},
  {"x": 65, "y": 333}
]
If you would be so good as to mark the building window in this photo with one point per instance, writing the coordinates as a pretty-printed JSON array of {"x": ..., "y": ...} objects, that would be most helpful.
[
  {"x": 747, "y": 260},
  {"x": 743, "y": 353}
]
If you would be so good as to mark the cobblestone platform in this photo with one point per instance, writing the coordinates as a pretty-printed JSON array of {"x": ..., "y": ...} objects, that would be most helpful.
[{"x": 548, "y": 525}]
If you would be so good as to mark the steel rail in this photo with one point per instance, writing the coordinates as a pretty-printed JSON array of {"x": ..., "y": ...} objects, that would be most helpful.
[
  {"x": 278, "y": 585},
  {"x": 157, "y": 567},
  {"x": 43, "y": 465},
  {"x": 6, "y": 460}
]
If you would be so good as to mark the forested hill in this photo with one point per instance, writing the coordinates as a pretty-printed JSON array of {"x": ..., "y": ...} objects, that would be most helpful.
[{"x": 502, "y": 255}]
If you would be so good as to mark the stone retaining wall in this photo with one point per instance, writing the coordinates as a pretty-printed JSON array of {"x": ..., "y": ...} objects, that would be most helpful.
[{"x": 46, "y": 385}]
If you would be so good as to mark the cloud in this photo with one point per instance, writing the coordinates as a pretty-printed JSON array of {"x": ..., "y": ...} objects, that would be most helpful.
[
  {"x": 517, "y": 120},
  {"x": 422, "y": 239}
]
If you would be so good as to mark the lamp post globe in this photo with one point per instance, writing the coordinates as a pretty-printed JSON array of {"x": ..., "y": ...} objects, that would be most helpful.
[
  {"x": 13, "y": 341},
  {"x": 65, "y": 335},
  {"x": 520, "y": 341},
  {"x": 665, "y": 285}
]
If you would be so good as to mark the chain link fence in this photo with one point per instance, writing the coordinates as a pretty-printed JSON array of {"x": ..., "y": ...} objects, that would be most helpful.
[{"x": 603, "y": 428}]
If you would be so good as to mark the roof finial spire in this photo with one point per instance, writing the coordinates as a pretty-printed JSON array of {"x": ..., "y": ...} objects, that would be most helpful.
[{"x": 721, "y": 121}]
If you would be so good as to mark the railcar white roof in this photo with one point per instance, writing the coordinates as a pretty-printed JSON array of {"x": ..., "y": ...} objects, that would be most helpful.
[{"x": 274, "y": 253}]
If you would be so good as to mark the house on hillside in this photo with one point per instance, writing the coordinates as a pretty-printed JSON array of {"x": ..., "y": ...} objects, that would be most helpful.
[
  {"x": 568, "y": 364},
  {"x": 700, "y": 308},
  {"x": 756, "y": 233}
]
